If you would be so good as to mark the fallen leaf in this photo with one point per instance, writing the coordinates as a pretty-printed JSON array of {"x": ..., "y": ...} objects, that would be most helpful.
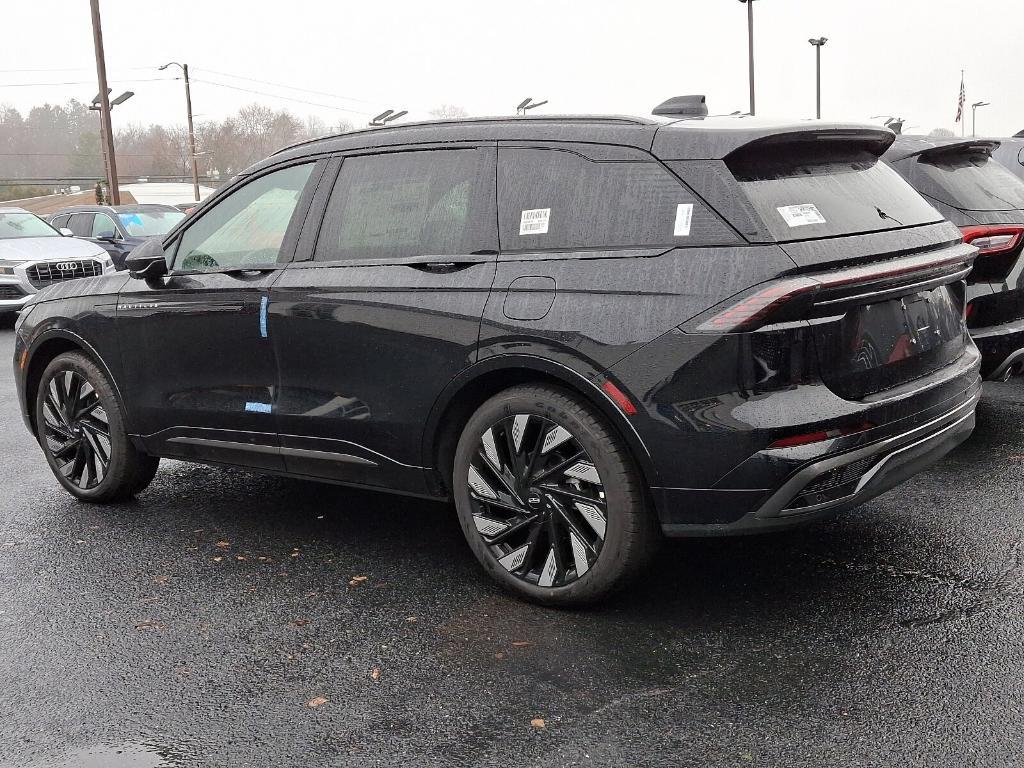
[
  {"x": 375, "y": 673},
  {"x": 537, "y": 722},
  {"x": 357, "y": 580},
  {"x": 410, "y": 619},
  {"x": 294, "y": 554},
  {"x": 299, "y": 622},
  {"x": 316, "y": 702},
  {"x": 217, "y": 559},
  {"x": 223, "y": 544},
  {"x": 499, "y": 655},
  {"x": 161, "y": 579},
  {"x": 148, "y": 624},
  {"x": 521, "y": 644},
  {"x": 239, "y": 557}
]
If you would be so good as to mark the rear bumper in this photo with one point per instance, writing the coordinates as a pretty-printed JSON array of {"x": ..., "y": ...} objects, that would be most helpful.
[
  {"x": 1001, "y": 346},
  {"x": 832, "y": 483}
]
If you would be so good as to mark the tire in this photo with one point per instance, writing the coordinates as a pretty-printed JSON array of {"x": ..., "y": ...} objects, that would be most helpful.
[
  {"x": 78, "y": 420},
  {"x": 580, "y": 528}
]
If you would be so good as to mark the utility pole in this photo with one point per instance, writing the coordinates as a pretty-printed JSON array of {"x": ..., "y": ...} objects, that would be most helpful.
[
  {"x": 108, "y": 133},
  {"x": 818, "y": 42},
  {"x": 191, "y": 130},
  {"x": 750, "y": 49}
]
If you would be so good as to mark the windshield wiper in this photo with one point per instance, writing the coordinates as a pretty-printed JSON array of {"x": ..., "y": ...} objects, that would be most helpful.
[{"x": 883, "y": 215}]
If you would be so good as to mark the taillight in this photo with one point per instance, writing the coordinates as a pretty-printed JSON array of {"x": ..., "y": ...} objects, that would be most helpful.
[
  {"x": 817, "y": 437},
  {"x": 789, "y": 298},
  {"x": 993, "y": 240}
]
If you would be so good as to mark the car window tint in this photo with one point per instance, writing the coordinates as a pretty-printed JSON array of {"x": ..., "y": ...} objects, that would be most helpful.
[
  {"x": 103, "y": 226},
  {"x": 247, "y": 227},
  {"x": 557, "y": 199},
  {"x": 81, "y": 224},
  {"x": 408, "y": 204}
]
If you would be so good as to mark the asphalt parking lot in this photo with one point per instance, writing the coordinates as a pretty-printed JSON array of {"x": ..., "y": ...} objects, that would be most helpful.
[{"x": 204, "y": 623}]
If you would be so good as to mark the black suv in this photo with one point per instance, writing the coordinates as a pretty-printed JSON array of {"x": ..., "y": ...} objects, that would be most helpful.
[
  {"x": 587, "y": 331},
  {"x": 978, "y": 194},
  {"x": 118, "y": 228}
]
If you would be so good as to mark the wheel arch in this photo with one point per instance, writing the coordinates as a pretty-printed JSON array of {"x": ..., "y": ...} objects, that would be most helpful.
[
  {"x": 47, "y": 348},
  {"x": 474, "y": 386}
]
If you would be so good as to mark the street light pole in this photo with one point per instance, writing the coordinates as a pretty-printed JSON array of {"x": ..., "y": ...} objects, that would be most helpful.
[
  {"x": 104, "y": 104},
  {"x": 974, "y": 116},
  {"x": 191, "y": 130},
  {"x": 818, "y": 42},
  {"x": 750, "y": 49}
]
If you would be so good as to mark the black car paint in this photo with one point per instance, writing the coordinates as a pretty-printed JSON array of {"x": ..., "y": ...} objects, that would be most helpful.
[
  {"x": 365, "y": 367},
  {"x": 997, "y": 326}
]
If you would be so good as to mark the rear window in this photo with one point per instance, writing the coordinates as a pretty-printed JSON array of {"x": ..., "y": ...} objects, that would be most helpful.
[
  {"x": 559, "y": 199},
  {"x": 803, "y": 195},
  {"x": 970, "y": 181}
]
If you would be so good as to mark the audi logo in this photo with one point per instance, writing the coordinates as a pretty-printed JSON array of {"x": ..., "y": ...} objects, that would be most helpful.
[{"x": 66, "y": 266}]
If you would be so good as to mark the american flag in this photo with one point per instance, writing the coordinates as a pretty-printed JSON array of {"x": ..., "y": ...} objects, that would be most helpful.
[{"x": 960, "y": 101}]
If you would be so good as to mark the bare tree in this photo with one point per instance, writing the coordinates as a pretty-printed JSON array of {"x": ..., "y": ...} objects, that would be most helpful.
[
  {"x": 942, "y": 133},
  {"x": 448, "y": 111}
]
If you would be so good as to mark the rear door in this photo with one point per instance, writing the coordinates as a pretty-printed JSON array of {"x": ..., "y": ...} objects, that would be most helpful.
[{"x": 381, "y": 309}]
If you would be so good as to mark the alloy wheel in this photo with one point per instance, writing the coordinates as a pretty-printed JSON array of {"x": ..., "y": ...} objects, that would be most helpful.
[
  {"x": 76, "y": 430},
  {"x": 538, "y": 501}
]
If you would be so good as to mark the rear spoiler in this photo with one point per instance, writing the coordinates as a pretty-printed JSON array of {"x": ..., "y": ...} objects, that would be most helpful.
[
  {"x": 960, "y": 146},
  {"x": 821, "y": 144},
  {"x": 719, "y": 138}
]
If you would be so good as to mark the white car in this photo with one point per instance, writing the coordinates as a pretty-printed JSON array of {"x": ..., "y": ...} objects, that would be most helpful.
[{"x": 34, "y": 255}]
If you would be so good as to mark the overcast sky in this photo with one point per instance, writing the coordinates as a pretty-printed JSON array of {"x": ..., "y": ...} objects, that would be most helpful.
[{"x": 892, "y": 57}]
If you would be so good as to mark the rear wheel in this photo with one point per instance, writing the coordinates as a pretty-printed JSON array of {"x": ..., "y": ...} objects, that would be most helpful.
[
  {"x": 81, "y": 430},
  {"x": 549, "y": 498}
]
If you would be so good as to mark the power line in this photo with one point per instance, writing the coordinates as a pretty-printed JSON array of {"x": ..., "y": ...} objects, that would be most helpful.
[
  {"x": 68, "y": 69},
  {"x": 88, "y": 82},
  {"x": 292, "y": 87},
  {"x": 285, "y": 98}
]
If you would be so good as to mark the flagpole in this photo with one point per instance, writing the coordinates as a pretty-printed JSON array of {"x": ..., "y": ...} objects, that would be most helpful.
[{"x": 963, "y": 93}]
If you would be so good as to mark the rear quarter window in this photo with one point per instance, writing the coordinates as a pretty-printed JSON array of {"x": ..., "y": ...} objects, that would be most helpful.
[{"x": 556, "y": 199}]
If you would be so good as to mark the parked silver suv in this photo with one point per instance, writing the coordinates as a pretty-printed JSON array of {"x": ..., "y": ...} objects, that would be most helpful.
[{"x": 34, "y": 255}]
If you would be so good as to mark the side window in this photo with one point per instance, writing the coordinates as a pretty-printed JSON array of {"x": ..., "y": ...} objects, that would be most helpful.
[
  {"x": 557, "y": 199},
  {"x": 81, "y": 224},
  {"x": 432, "y": 202},
  {"x": 59, "y": 221},
  {"x": 103, "y": 226},
  {"x": 247, "y": 227}
]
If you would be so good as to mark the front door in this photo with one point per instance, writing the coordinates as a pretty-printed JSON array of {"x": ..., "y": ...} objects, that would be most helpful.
[
  {"x": 197, "y": 358},
  {"x": 374, "y": 319}
]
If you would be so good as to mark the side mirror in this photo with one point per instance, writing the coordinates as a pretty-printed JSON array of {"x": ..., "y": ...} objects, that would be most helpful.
[
  {"x": 66, "y": 232},
  {"x": 109, "y": 237},
  {"x": 147, "y": 261}
]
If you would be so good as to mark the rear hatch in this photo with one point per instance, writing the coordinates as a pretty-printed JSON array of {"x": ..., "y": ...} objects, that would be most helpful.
[{"x": 879, "y": 273}]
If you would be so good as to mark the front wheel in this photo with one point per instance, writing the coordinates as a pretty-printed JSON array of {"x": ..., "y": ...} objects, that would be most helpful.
[
  {"x": 81, "y": 430},
  {"x": 549, "y": 498}
]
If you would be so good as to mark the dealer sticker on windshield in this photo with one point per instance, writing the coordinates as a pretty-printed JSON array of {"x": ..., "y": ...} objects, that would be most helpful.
[
  {"x": 534, "y": 222},
  {"x": 800, "y": 215}
]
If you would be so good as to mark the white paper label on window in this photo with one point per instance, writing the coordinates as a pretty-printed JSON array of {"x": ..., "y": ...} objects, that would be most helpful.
[
  {"x": 684, "y": 215},
  {"x": 534, "y": 222},
  {"x": 800, "y": 215}
]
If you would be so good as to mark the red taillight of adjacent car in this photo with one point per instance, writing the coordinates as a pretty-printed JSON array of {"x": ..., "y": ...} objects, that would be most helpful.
[{"x": 994, "y": 240}]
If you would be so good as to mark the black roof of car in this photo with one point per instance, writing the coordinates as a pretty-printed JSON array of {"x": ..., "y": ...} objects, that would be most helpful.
[
  {"x": 686, "y": 139},
  {"x": 909, "y": 146},
  {"x": 134, "y": 208}
]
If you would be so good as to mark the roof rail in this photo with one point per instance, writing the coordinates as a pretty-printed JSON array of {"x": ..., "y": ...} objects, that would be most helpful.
[{"x": 622, "y": 119}]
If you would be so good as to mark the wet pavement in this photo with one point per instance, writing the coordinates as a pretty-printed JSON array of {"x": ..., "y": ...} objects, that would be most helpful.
[{"x": 231, "y": 619}]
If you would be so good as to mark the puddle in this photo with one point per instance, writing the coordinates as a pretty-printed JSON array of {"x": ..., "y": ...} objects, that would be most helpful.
[{"x": 119, "y": 756}]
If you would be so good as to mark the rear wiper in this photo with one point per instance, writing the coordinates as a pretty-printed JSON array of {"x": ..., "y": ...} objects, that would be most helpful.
[{"x": 883, "y": 215}]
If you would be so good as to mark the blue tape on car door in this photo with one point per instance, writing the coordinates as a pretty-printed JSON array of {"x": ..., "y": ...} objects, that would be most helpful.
[
  {"x": 264, "y": 302},
  {"x": 258, "y": 407}
]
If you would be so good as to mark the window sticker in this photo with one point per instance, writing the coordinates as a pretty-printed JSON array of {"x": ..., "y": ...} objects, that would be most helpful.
[
  {"x": 801, "y": 215},
  {"x": 684, "y": 215},
  {"x": 534, "y": 222}
]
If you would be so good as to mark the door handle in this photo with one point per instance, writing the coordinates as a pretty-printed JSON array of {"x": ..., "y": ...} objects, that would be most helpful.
[{"x": 443, "y": 267}]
